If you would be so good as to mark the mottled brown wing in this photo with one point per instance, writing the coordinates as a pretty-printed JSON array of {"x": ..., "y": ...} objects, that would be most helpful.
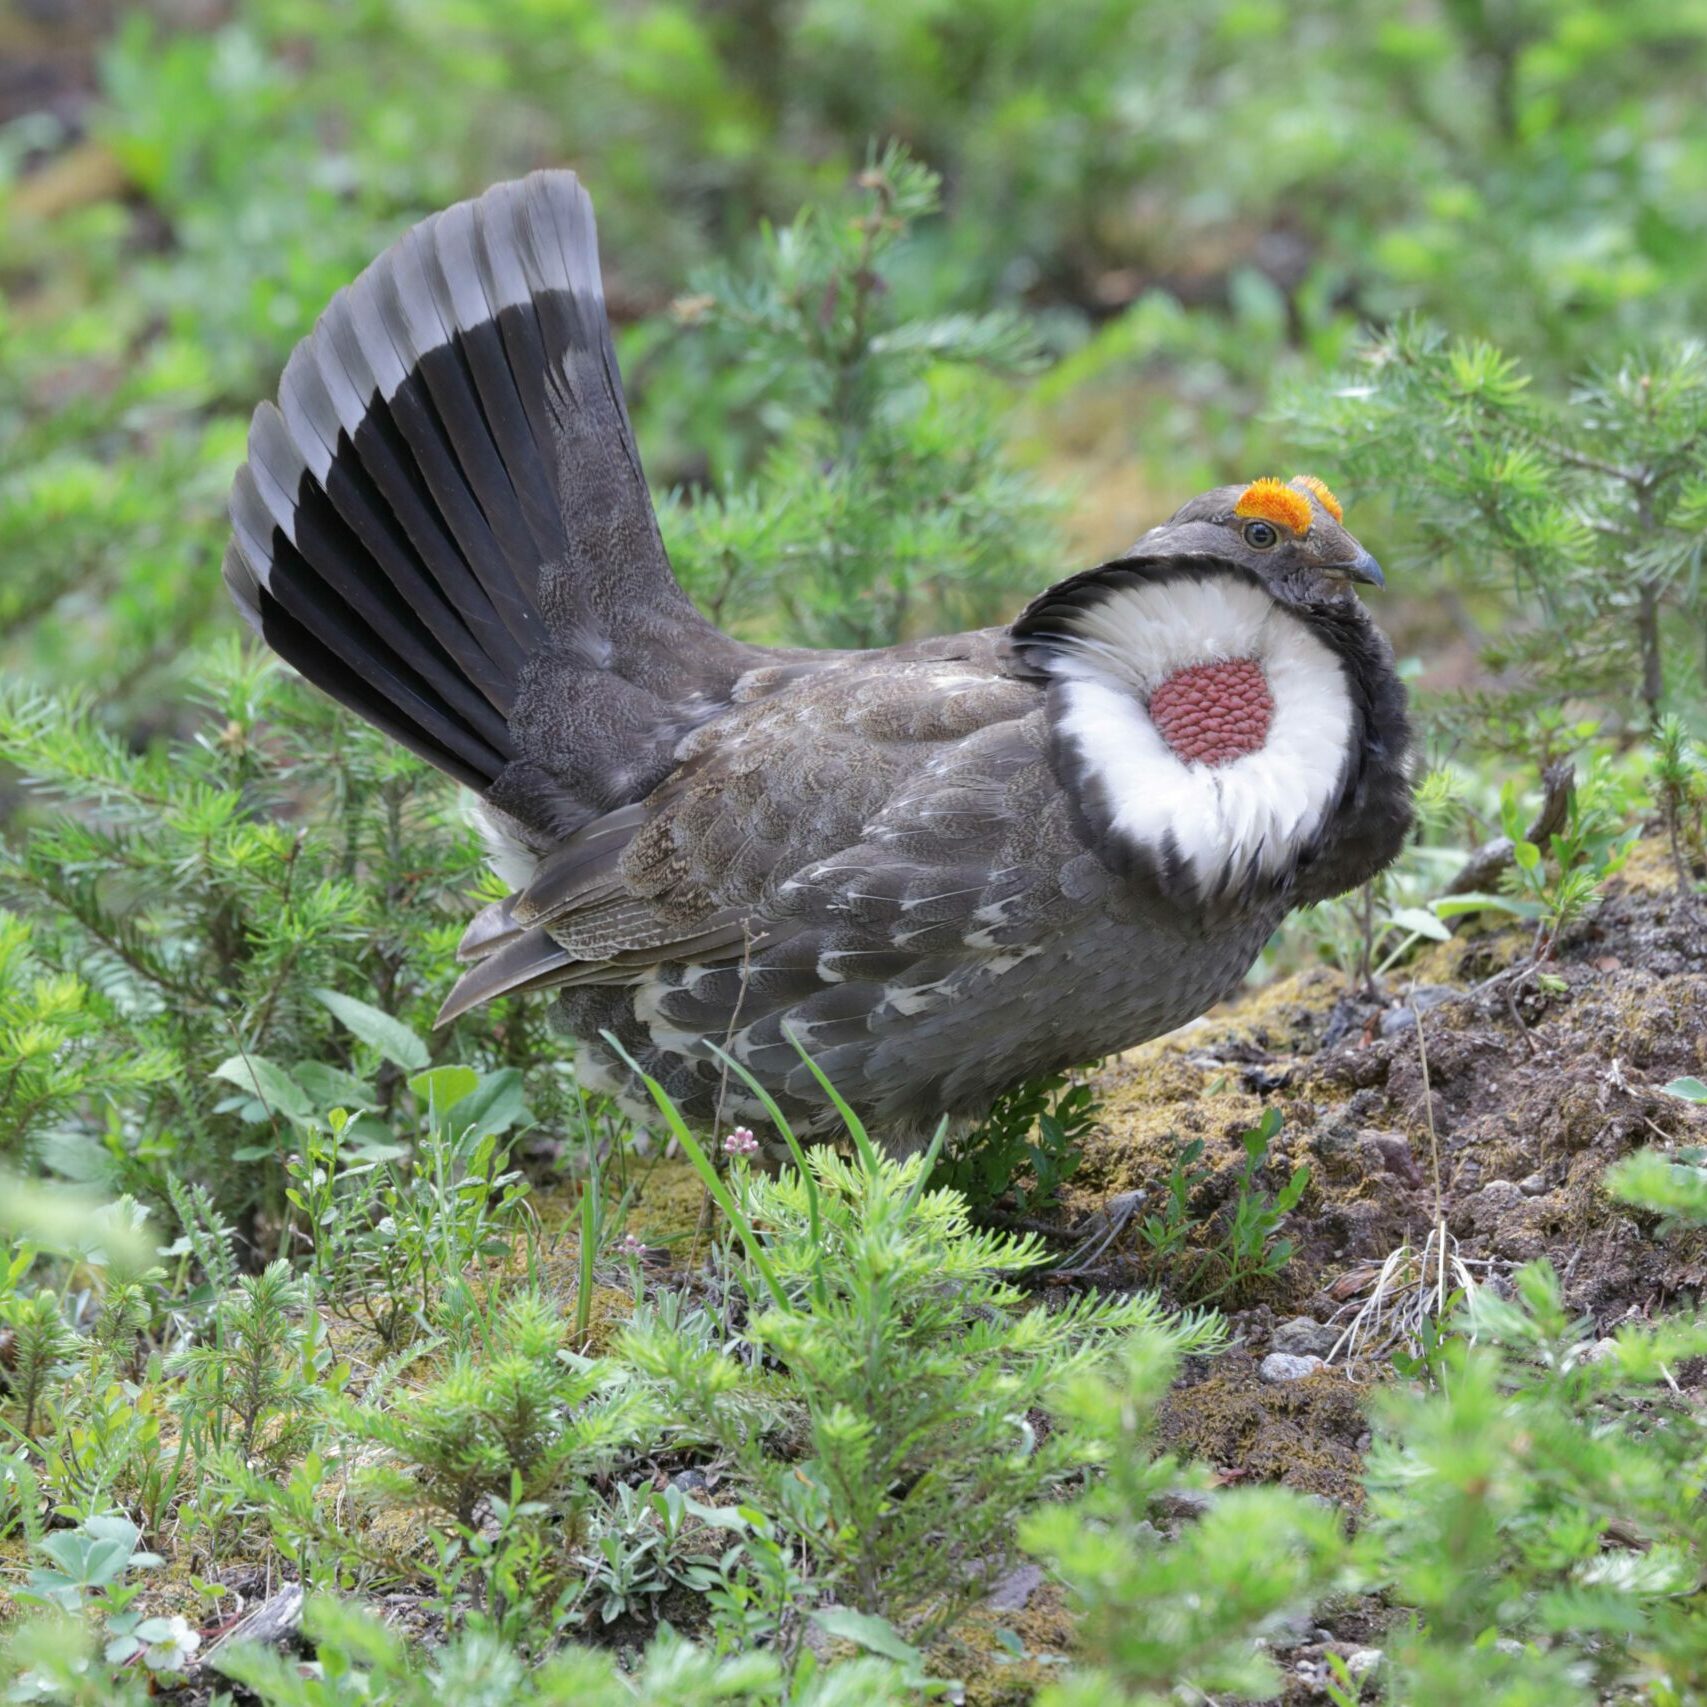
[{"x": 819, "y": 851}]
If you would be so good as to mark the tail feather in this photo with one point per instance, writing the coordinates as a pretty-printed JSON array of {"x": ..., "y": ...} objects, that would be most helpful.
[
  {"x": 498, "y": 369},
  {"x": 445, "y": 525},
  {"x": 422, "y": 634},
  {"x": 455, "y": 614},
  {"x": 438, "y": 421},
  {"x": 387, "y": 699},
  {"x": 430, "y": 458}
]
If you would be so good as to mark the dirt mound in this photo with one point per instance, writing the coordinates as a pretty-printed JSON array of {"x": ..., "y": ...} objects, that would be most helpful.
[{"x": 1489, "y": 1124}]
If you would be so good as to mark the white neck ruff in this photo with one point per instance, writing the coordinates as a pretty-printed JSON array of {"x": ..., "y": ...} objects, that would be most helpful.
[{"x": 1255, "y": 813}]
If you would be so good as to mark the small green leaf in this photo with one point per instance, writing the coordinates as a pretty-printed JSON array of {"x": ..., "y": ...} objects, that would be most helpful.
[
  {"x": 1455, "y": 906},
  {"x": 267, "y": 1081},
  {"x": 735, "y": 1518},
  {"x": 867, "y": 1631},
  {"x": 444, "y": 1087},
  {"x": 1686, "y": 1090},
  {"x": 1420, "y": 922},
  {"x": 495, "y": 1104},
  {"x": 391, "y": 1037},
  {"x": 332, "y": 1086},
  {"x": 1290, "y": 1193}
]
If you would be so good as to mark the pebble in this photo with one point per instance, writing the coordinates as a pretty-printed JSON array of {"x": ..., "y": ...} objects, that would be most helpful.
[
  {"x": 1303, "y": 1337},
  {"x": 1283, "y": 1366},
  {"x": 1360, "y": 1662},
  {"x": 1014, "y": 1590},
  {"x": 1397, "y": 1021},
  {"x": 1533, "y": 1185},
  {"x": 1492, "y": 1201},
  {"x": 1395, "y": 1156},
  {"x": 1182, "y": 1503}
]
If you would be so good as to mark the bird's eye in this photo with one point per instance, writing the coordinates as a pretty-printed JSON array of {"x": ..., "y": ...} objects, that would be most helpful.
[{"x": 1261, "y": 536}]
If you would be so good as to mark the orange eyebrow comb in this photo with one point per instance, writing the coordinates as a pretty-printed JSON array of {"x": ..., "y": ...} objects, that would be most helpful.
[
  {"x": 1275, "y": 501},
  {"x": 1318, "y": 489}
]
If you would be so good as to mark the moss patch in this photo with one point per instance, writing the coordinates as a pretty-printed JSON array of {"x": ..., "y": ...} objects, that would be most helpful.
[
  {"x": 992, "y": 1674},
  {"x": 1306, "y": 1434}
]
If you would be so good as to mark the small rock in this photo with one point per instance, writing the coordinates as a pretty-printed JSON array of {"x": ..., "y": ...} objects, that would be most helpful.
[
  {"x": 1430, "y": 1113},
  {"x": 1498, "y": 1196},
  {"x": 1291, "y": 1632},
  {"x": 1600, "y": 1351},
  {"x": 1281, "y": 1366},
  {"x": 690, "y": 1481},
  {"x": 1360, "y": 1662},
  {"x": 1180, "y": 1503},
  {"x": 1303, "y": 1337},
  {"x": 1533, "y": 1185},
  {"x": 1394, "y": 1151},
  {"x": 1013, "y": 1591},
  {"x": 1396, "y": 1021}
]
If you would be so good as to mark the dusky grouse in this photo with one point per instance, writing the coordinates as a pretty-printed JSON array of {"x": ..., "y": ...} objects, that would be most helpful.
[{"x": 943, "y": 867}]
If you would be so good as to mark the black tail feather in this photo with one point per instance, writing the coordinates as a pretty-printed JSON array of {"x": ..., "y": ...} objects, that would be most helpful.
[
  {"x": 445, "y": 525},
  {"x": 387, "y": 701},
  {"x": 400, "y": 506}
]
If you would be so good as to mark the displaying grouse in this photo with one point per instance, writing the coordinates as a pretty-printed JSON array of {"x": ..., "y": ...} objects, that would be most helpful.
[{"x": 943, "y": 867}]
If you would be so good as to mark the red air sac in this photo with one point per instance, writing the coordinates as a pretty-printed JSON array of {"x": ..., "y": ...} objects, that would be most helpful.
[{"x": 1212, "y": 714}]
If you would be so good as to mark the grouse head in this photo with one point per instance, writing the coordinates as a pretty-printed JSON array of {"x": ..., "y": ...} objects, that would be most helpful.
[
  {"x": 1291, "y": 536},
  {"x": 1224, "y": 712}
]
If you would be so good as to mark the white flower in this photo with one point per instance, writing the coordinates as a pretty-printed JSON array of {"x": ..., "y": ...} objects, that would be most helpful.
[
  {"x": 170, "y": 1646},
  {"x": 631, "y": 1246}
]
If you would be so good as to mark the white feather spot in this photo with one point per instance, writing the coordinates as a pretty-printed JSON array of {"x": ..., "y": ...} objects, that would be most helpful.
[
  {"x": 595, "y": 1075},
  {"x": 507, "y": 854},
  {"x": 914, "y": 999}
]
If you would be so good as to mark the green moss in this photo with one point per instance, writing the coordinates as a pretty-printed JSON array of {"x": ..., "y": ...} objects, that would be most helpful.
[
  {"x": 1303, "y": 1434},
  {"x": 991, "y": 1674}
]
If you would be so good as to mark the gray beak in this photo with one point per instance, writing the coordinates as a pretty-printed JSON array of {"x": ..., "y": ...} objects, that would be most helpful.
[{"x": 1362, "y": 568}]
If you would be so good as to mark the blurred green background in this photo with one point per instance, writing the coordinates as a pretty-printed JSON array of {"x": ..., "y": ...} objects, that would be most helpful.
[{"x": 1187, "y": 211}]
